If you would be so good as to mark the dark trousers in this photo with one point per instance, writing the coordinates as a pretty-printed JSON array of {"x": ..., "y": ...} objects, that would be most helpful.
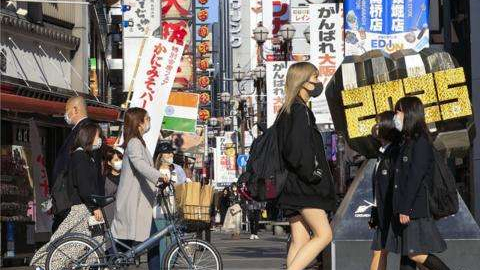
[
  {"x": 204, "y": 228},
  {"x": 58, "y": 219},
  {"x": 254, "y": 218}
]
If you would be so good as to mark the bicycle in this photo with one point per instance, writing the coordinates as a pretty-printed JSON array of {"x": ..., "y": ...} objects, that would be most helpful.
[{"x": 79, "y": 251}]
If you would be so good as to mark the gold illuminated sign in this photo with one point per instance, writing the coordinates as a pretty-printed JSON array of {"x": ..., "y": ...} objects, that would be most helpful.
[{"x": 443, "y": 93}]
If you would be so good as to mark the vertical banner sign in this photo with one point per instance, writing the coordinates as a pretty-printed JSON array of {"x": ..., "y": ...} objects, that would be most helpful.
[
  {"x": 225, "y": 160},
  {"x": 326, "y": 50},
  {"x": 389, "y": 25},
  {"x": 156, "y": 73},
  {"x": 276, "y": 74},
  {"x": 141, "y": 18},
  {"x": 275, "y": 14},
  {"x": 43, "y": 222}
]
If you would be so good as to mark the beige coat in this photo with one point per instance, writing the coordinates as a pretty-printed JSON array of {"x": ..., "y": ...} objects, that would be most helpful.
[{"x": 135, "y": 194}]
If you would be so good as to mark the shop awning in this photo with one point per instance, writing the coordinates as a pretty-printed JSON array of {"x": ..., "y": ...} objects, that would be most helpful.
[{"x": 34, "y": 105}]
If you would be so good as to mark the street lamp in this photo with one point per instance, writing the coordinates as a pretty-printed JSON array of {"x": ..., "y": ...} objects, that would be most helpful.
[
  {"x": 227, "y": 121},
  {"x": 238, "y": 73},
  {"x": 287, "y": 32},
  {"x": 225, "y": 97},
  {"x": 306, "y": 33},
  {"x": 259, "y": 72},
  {"x": 260, "y": 34},
  {"x": 211, "y": 134}
]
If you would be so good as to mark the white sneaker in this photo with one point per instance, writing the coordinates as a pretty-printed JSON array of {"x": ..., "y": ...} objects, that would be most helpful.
[
  {"x": 256, "y": 237},
  {"x": 252, "y": 237}
]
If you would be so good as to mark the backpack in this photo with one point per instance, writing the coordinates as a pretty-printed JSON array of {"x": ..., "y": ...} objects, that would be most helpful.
[
  {"x": 265, "y": 173},
  {"x": 61, "y": 193},
  {"x": 442, "y": 192}
]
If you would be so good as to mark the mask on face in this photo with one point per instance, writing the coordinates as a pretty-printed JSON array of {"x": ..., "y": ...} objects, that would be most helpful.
[
  {"x": 97, "y": 145},
  {"x": 398, "y": 123},
  {"x": 317, "y": 89},
  {"x": 67, "y": 119},
  {"x": 168, "y": 161},
  {"x": 146, "y": 128},
  {"x": 117, "y": 165}
]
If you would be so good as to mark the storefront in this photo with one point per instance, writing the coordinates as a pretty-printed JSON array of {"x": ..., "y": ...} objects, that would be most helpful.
[{"x": 31, "y": 118}]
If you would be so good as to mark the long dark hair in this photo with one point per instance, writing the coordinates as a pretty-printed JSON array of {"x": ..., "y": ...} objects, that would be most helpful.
[
  {"x": 414, "y": 124},
  {"x": 134, "y": 117},
  {"x": 108, "y": 155},
  {"x": 385, "y": 127},
  {"x": 86, "y": 136}
]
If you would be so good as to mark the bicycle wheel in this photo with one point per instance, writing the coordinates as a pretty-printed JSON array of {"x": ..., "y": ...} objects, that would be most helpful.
[
  {"x": 202, "y": 254},
  {"x": 74, "y": 252}
]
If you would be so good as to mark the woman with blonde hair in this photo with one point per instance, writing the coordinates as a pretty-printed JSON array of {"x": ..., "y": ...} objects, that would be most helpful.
[{"x": 309, "y": 192}]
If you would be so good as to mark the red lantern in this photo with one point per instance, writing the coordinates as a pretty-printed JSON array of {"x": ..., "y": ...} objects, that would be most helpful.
[
  {"x": 203, "y": 2},
  {"x": 203, "y": 64},
  {"x": 203, "y": 48},
  {"x": 204, "y": 98},
  {"x": 202, "y": 15},
  {"x": 203, "y": 31},
  {"x": 203, "y": 81},
  {"x": 204, "y": 114}
]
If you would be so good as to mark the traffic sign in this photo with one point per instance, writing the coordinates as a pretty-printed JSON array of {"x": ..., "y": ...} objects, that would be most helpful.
[{"x": 242, "y": 160}]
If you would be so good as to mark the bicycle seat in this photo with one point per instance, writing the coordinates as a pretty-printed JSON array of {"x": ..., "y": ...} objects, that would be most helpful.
[{"x": 102, "y": 201}]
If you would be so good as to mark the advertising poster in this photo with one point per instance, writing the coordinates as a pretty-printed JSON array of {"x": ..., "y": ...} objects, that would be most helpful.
[
  {"x": 276, "y": 75},
  {"x": 388, "y": 25},
  {"x": 156, "y": 73},
  {"x": 225, "y": 161},
  {"x": 326, "y": 50}
]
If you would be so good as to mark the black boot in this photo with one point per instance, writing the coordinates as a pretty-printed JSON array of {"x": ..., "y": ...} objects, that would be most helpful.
[{"x": 434, "y": 263}]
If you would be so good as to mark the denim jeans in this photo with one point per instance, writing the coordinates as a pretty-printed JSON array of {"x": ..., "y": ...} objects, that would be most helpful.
[{"x": 156, "y": 253}]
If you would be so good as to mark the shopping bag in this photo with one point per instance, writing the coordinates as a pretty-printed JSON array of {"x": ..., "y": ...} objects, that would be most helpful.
[{"x": 264, "y": 214}]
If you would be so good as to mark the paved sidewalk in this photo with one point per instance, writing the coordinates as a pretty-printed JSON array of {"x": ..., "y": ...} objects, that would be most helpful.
[{"x": 267, "y": 253}]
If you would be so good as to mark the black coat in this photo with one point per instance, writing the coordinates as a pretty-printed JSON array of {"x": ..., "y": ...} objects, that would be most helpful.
[
  {"x": 413, "y": 169},
  {"x": 83, "y": 175},
  {"x": 309, "y": 180},
  {"x": 382, "y": 185},
  {"x": 63, "y": 154}
]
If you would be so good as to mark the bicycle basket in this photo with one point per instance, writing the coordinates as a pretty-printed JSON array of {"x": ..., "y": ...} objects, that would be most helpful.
[{"x": 193, "y": 201}]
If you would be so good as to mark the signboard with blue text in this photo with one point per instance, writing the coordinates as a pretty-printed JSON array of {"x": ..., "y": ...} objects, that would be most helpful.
[{"x": 388, "y": 25}]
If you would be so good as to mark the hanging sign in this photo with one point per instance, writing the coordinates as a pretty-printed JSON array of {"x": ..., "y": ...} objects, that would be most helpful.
[
  {"x": 156, "y": 73},
  {"x": 388, "y": 25},
  {"x": 276, "y": 74},
  {"x": 326, "y": 50}
]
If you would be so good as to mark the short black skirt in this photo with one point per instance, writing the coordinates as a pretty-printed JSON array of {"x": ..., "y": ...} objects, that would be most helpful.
[{"x": 420, "y": 236}]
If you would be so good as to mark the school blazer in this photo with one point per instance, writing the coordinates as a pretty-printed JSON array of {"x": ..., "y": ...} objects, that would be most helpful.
[{"x": 413, "y": 169}]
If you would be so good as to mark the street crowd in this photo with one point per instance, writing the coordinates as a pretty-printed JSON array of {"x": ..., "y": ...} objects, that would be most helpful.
[{"x": 401, "y": 219}]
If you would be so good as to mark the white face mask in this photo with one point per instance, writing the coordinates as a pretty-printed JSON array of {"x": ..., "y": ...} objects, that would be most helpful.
[
  {"x": 97, "y": 145},
  {"x": 67, "y": 119},
  {"x": 398, "y": 123},
  {"x": 117, "y": 165},
  {"x": 167, "y": 161},
  {"x": 146, "y": 128}
]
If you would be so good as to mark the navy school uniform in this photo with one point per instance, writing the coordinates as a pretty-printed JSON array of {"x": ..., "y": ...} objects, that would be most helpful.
[{"x": 413, "y": 169}]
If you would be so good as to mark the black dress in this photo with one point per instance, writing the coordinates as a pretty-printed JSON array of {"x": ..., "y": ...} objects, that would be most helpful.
[
  {"x": 413, "y": 169},
  {"x": 309, "y": 181}
]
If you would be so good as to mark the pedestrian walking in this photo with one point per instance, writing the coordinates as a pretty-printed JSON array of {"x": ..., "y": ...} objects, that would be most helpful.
[
  {"x": 175, "y": 175},
  {"x": 309, "y": 191},
  {"x": 253, "y": 211},
  {"x": 76, "y": 116},
  {"x": 233, "y": 218},
  {"x": 137, "y": 188},
  {"x": 112, "y": 167},
  {"x": 413, "y": 231},
  {"x": 224, "y": 204},
  {"x": 82, "y": 182}
]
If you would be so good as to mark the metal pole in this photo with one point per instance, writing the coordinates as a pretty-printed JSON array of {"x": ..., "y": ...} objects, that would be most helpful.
[
  {"x": 57, "y": 68},
  {"x": 194, "y": 44},
  {"x": 41, "y": 76}
]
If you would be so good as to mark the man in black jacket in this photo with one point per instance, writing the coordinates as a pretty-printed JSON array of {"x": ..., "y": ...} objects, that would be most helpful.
[{"x": 76, "y": 115}]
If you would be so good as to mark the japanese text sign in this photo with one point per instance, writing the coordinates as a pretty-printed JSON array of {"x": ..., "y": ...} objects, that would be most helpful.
[
  {"x": 276, "y": 75},
  {"x": 389, "y": 25},
  {"x": 158, "y": 66}
]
